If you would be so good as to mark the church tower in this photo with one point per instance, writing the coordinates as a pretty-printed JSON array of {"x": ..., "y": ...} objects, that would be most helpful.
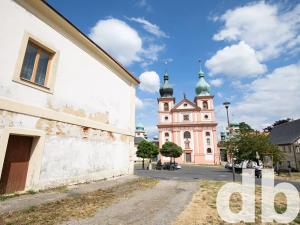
[
  {"x": 191, "y": 125},
  {"x": 165, "y": 104}
]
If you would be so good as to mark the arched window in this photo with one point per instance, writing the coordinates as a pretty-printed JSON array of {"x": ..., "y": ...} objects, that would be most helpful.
[
  {"x": 166, "y": 134},
  {"x": 205, "y": 105},
  {"x": 166, "y": 107},
  {"x": 208, "y": 150},
  {"x": 207, "y": 133},
  {"x": 166, "y": 118},
  {"x": 186, "y": 134}
]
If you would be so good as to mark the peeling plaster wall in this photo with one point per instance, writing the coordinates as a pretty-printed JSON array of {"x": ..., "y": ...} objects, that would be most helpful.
[
  {"x": 73, "y": 154},
  {"x": 85, "y": 87}
]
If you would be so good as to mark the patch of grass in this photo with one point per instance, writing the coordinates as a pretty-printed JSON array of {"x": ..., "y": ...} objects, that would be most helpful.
[
  {"x": 78, "y": 207},
  {"x": 31, "y": 192},
  {"x": 202, "y": 209},
  {"x": 60, "y": 189},
  {"x": 8, "y": 196}
]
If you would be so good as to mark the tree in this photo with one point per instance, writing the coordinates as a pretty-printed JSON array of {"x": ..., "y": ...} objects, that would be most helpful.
[
  {"x": 146, "y": 150},
  {"x": 247, "y": 144},
  {"x": 170, "y": 149},
  {"x": 276, "y": 123},
  {"x": 244, "y": 127}
]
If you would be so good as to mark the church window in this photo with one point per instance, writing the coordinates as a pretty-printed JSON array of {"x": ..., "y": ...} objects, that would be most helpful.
[
  {"x": 185, "y": 105},
  {"x": 206, "y": 117},
  {"x": 186, "y": 117},
  {"x": 205, "y": 105},
  {"x": 207, "y": 133},
  {"x": 166, "y": 134},
  {"x": 166, "y": 118},
  {"x": 186, "y": 134},
  {"x": 208, "y": 150},
  {"x": 166, "y": 107},
  {"x": 208, "y": 141}
]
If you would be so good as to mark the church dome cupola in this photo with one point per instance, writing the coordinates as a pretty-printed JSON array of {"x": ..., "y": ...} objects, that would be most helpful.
[
  {"x": 202, "y": 87},
  {"x": 166, "y": 89},
  {"x": 140, "y": 127}
]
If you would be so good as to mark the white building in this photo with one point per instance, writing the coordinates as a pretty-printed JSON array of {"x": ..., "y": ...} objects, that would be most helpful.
[{"x": 60, "y": 101}]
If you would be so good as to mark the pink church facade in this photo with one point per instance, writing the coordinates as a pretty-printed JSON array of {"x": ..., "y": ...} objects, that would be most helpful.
[{"x": 191, "y": 125}]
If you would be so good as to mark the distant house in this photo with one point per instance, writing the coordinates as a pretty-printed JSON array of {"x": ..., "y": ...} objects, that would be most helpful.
[
  {"x": 287, "y": 137},
  {"x": 67, "y": 108}
]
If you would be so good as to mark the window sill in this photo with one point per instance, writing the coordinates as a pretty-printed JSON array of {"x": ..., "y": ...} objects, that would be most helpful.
[{"x": 33, "y": 85}]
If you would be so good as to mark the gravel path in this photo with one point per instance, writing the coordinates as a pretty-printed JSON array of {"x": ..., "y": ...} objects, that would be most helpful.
[
  {"x": 26, "y": 201},
  {"x": 158, "y": 205}
]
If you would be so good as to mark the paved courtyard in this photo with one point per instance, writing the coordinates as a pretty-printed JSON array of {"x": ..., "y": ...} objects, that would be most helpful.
[
  {"x": 137, "y": 199},
  {"x": 195, "y": 172}
]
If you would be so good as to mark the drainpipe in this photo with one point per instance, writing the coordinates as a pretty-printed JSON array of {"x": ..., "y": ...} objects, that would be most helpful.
[{"x": 295, "y": 157}]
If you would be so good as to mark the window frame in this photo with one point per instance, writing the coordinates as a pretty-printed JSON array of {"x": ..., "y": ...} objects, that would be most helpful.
[
  {"x": 210, "y": 151},
  {"x": 166, "y": 107},
  {"x": 205, "y": 105},
  {"x": 186, "y": 115},
  {"x": 51, "y": 66}
]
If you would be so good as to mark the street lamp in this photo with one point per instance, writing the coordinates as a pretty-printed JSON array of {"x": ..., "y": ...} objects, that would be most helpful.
[{"x": 226, "y": 104}]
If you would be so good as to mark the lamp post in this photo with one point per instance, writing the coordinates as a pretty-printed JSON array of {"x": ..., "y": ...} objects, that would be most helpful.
[{"x": 226, "y": 104}]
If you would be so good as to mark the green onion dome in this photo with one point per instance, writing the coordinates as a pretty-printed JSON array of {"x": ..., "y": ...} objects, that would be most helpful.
[
  {"x": 140, "y": 127},
  {"x": 166, "y": 89},
  {"x": 202, "y": 87}
]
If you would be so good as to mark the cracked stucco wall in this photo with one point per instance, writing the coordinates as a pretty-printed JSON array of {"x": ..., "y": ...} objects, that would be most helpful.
[{"x": 85, "y": 87}]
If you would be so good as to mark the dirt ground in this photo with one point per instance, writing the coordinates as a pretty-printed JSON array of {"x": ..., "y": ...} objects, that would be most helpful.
[
  {"x": 76, "y": 205},
  {"x": 152, "y": 206},
  {"x": 202, "y": 208}
]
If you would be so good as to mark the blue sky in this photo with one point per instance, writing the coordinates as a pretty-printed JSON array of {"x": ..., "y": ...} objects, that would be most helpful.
[{"x": 250, "y": 51}]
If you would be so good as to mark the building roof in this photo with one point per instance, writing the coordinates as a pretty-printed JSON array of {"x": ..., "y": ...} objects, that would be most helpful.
[
  {"x": 50, "y": 12},
  {"x": 202, "y": 87},
  {"x": 137, "y": 140},
  {"x": 286, "y": 133},
  {"x": 166, "y": 90}
]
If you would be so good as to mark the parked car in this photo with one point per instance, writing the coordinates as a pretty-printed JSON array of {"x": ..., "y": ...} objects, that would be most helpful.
[
  {"x": 228, "y": 165},
  {"x": 171, "y": 166}
]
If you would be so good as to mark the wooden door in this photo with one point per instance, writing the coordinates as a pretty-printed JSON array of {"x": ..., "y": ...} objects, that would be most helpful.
[
  {"x": 15, "y": 167},
  {"x": 188, "y": 157}
]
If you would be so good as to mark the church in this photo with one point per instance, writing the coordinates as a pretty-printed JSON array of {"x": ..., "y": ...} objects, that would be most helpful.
[{"x": 190, "y": 124}]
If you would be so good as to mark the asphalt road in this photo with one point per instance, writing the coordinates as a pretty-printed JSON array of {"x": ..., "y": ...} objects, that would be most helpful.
[{"x": 195, "y": 172}]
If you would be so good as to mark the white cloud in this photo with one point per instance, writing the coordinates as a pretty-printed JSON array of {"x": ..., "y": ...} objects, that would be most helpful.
[
  {"x": 216, "y": 82},
  {"x": 271, "y": 97},
  {"x": 149, "y": 81},
  {"x": 124, "y": 43},
  {"x": 262, "y": 26},
  {"x": 236, "y": 60},
  {"x": 144, "y": 4},
  {"x": 138, "y": 103},
  {"x": 119, "y": 39},
  {"x": 149, "y": 27},
  {"x": 151, "y": 54}
]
